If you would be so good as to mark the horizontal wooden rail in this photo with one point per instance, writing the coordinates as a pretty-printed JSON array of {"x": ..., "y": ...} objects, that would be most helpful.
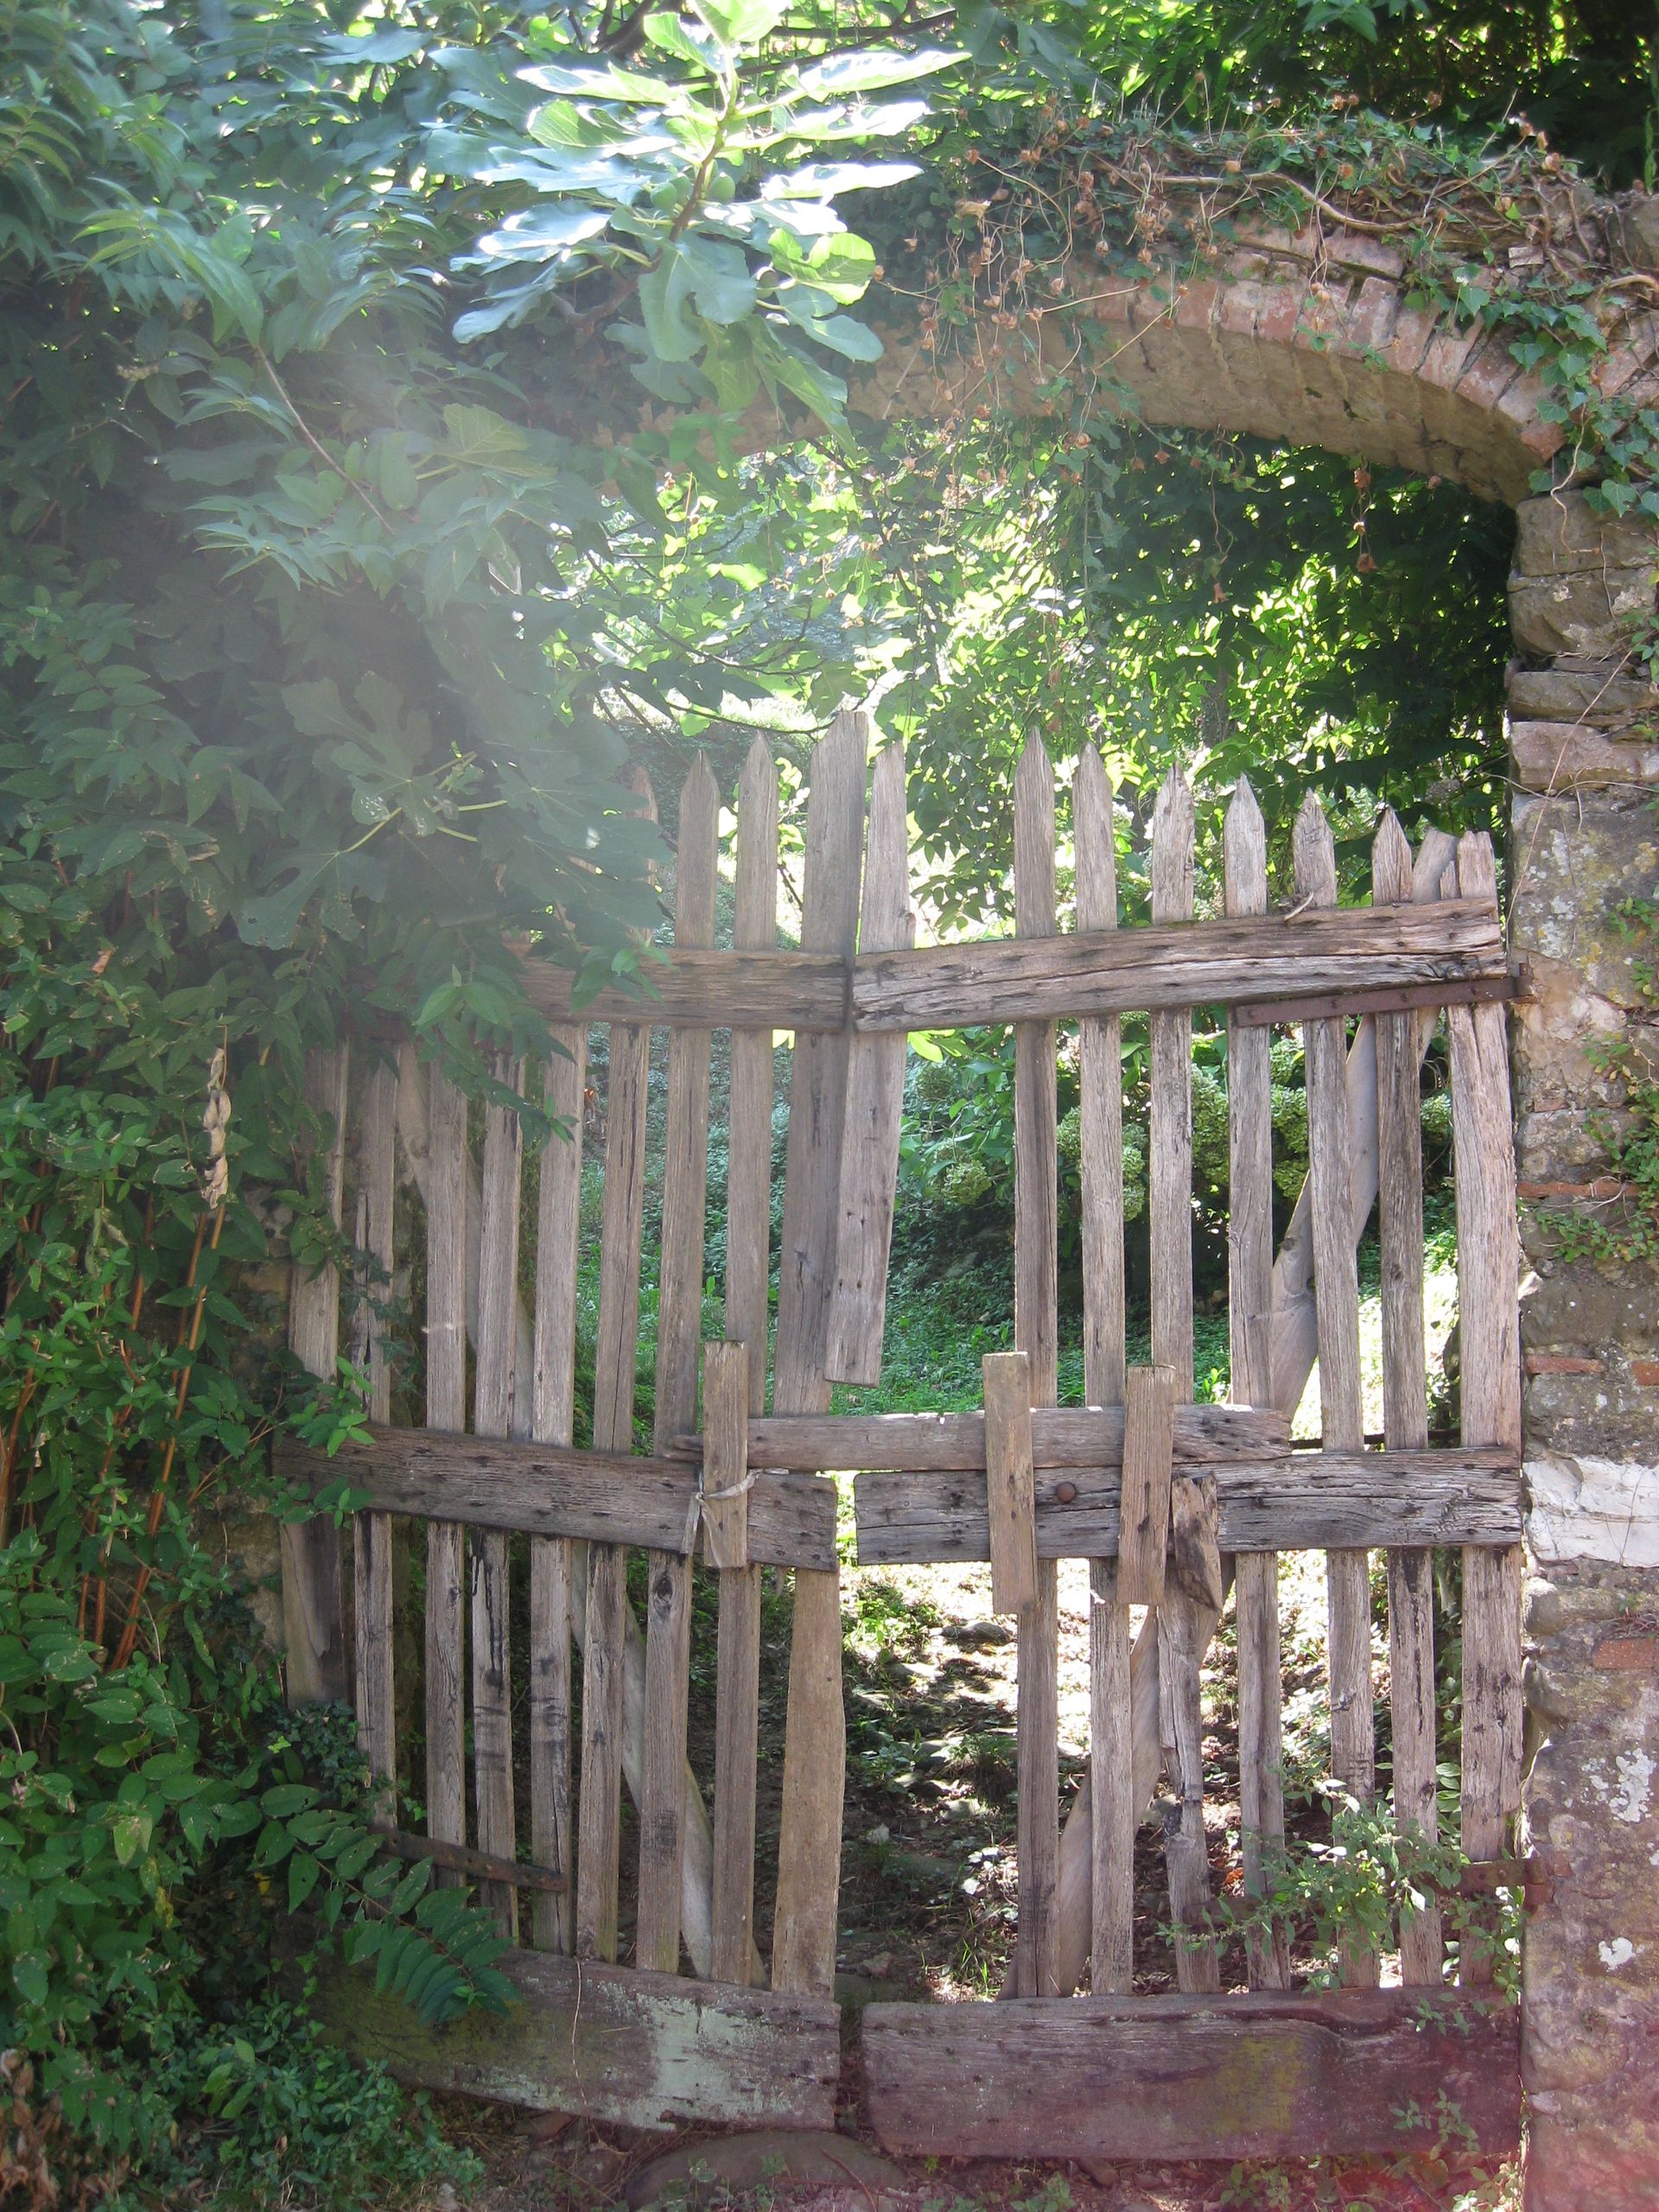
[
  {"x": 612, "y": 2043},
  {"x": 461, "y": 1858},
  {"x": 694, "y": 989},
  {"x": 1064, "y": 1436},
  {"x": 1267, "y": 2076},
  {"x": 1306, "y": 1501},
  {"x": 1479, "y": 990},
  {"x": 1177, "y": 964},
  {"x": 548, "y": 1489},
  {"x": 1453, "y": 948}
]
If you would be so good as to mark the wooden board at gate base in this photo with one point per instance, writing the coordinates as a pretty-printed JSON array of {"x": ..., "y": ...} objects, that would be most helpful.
[
  {"x": 611, "y": 2043},
  {"x": 1267, "y": 2076}
]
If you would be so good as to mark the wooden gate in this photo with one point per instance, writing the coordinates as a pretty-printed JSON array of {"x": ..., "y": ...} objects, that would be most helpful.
[{"x": 1168, "y": 1500}]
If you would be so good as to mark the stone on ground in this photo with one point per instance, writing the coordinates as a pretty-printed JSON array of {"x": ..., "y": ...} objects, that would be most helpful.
[{"x": 779, "y": 2158}]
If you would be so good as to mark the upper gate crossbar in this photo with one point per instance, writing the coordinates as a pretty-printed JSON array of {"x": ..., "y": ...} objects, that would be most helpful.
[{"x": 1238, "y": 961}]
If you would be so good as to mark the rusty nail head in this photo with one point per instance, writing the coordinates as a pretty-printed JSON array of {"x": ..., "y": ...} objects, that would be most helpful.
[{"x": 1064, "y": 1493}]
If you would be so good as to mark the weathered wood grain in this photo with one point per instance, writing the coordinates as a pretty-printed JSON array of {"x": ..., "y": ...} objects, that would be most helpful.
[
  {"x": 1184, "y": 1627},
  {"x": 749, "y": 988},
  {"x": 376, "y": 1722},
  {"x": 553, "y": 1490},
  {"x": 1114, "y": 1811},
  {"x": 1176, "y": 964},
  {"x": 1100, "y": 1073},
  {"x": 1249, "y": 1308},
  {"x": 1296, "y": 1327},
  {"x": 748, "y": 1243},
  {"x": 1036, "y": 1333},
  {"x": 315, "y": 1663},
  {"x": 679, "y": 1331},
  {"x": 604, "y": 1684},
  {"x": 1009, "y": 1481},
  {"x": 552, "y": 1593},
  {"x": 1314, "y": 1501},
  {"x": 1335, "y": 1282},
  {"x": 875, "y": 1096},
  {"x": 612, "y": 2043},
  {"x": 492, "y": 1386},
  {"x": 1062, "y": 1436},
  {"x": 1489, "y": 1406},
  {"x": 415, "y": 1132},
  {"x": 737, "y": 1688},
  {"x": 1266, "y": 2075},
  {"x": 1405, "y": 1414},
  {"x": 748, "y": 1172},
  {"x": 1148, "y": 1439},
  {"x": 815, "y": 1742},
  {"x": 1100, "y": 1077},
  {"x": 445, "y": 1411}
]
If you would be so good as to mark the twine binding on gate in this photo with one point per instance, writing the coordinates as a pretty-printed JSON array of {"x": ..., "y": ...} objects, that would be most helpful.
[{"x": 700, "y": 1497}]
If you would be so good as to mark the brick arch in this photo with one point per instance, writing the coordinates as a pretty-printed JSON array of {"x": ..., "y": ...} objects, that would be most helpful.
[{"x": 1305, "y": 338}]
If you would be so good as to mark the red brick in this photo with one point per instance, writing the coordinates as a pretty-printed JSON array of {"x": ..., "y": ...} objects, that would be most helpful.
[
  {"x": 1645, "y": 1372},
  {"x": 1560, "y": 1362},
  {"x": 1628, "y": 1655}
]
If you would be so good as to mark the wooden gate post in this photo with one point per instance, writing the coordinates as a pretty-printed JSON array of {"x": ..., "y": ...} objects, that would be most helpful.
[{"x": 314, "y": 1609}]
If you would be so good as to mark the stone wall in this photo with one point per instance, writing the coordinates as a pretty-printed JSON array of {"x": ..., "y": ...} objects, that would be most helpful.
[{"x": 1585, "y": 731}]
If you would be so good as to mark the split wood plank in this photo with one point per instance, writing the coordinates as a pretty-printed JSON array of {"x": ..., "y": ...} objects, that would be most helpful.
[
  {"x": 599, "y": 1807},
  {"x": 1036, "y": 1333},
  {"x": 1296, "y": 1324},
  {"x": 1336, "y": 1283},
  {"x": 1249, "y": 1246},
  {"x": 615, "y": 2044},
  {"x": 377, "y": 1722},
  {"x": 1489, "y": 1402},
  {"x": 492, "y": 1390},
  {"x": 558, "y": 1223},
  {"x": 752, "y": 987},
  {"x": 1148, "y": 1439},
  {"x": 876, "y": 1097},
  {"x": 549, "y": 1491},
  {"x": 1062, "y": 1436},
  {"x": 446, "y": 1412},
  {"x": 314, "y": 1606},
  {"x": 1009, "y": 1481},
  {"x": 1100, "y": 1070},
  {"x": 748, "y": 1173},
  {"x": 1315, "y": 1501},
  {"x": 1405, "y": 1415},
  {"x": 1266, "y": 2075},
  {"x": 748, "y": 1246},
  {"x": 1176, "y": 964},
  {"x": 737, "y": 1688},
  {"x": 414, "y": 1129},
  {"x": 1295, "y": 1345},
  {"x": 815, "y": 1741},
  {"x": 1182, "y": 1632},
  {"x": 961, "y": 986},
  {"x": 679, "y": 1332}
]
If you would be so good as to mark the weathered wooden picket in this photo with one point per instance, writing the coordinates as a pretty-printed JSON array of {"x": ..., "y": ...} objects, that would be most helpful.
[{"x": 1168, "y": 1500}]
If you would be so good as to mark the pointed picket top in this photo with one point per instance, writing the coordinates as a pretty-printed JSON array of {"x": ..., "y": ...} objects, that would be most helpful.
[
  {"x": 885, "y": 922},
  {"x": 1172, "y": 825},
  {"x": 697, "y": 848},
  {"x": 755, "y": 925},
  {"x": 1095, "y": 837},
  {"x": 1477, "y": 870},
  {"x": 1314, "y": 851},
  {"x": 1033, "y": 841},
  {"x": 1390, "y": 862},
  {"x": 1245, "y": 850},
  {"x": 835, "y": 821}
]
